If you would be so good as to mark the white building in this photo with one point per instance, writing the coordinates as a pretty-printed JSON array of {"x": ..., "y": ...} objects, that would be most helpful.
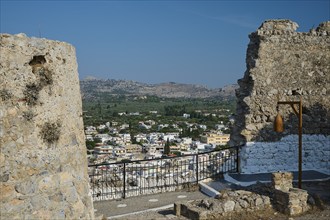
[
  {"x": 101, "y": 127},
  {"x": 90, "y": 130},
  {"x": 185, "y": 115},
  {"x": 103, "y": 150},
  {"x": 89, "y": 137},
  {"x": 141, "y": 137},
  {"x": 170, "y": 136},
  {"x": 220, "y": 126},
  {"x": 161, "y": 126},
  {"x": 124, "y": 126},
  {"x": 104, "y": 137},
  {"x": 186, "y": 140},
  {"x": 144, "y": 126},
  {"x": 204, "y": 127},
  {"x": 119, "y": 151}
]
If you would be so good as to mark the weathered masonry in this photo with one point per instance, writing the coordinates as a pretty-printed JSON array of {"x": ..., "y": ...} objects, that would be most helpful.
[
  {"x": 43, "y": 165},
  {"x": 281, "y": 65}
]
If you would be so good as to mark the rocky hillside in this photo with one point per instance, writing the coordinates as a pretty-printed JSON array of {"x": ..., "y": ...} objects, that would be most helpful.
[{"x": 91, "y": 87}]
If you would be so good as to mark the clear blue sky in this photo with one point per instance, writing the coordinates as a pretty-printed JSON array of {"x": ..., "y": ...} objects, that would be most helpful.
[{"x": 199, "y": 42}]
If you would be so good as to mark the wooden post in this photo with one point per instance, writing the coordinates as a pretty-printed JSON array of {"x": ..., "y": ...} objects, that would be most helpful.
[
  {"x": 299, "y": 115},
  {"x": 300, "y": 144}
]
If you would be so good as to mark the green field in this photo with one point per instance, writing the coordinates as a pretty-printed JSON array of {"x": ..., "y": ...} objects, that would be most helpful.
[{"x": 169, "y": 110}]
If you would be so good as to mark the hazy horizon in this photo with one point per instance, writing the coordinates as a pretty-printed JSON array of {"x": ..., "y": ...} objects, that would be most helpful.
[{"x": 90, "y": 77}]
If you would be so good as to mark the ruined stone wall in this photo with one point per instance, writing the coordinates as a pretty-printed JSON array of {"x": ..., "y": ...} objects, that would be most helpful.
[
  {"x": 281, "y": 65},
  {"x": 43, "y": 165}
]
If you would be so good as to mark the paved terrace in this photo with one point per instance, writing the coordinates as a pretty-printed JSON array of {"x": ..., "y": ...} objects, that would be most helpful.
[{"x": 135, "y": 205}]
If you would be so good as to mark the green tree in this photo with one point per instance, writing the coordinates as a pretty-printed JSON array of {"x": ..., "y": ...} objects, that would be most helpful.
[
  {"x": 90, "y": 144},
  {"x": 99, "y": 107},
  {"x": 220, "y": 147},
  {"x": 133, "y": 139},
  {"x": 104, "y": 131},
  {"x": 177, "y": 153},
  {"x": 125, "y": 160},
  {"x": 167, "y": 148}
]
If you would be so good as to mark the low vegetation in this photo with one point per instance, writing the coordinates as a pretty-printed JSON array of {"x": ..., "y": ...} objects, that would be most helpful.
[
  {"x": 50, "y": 132},
  {"x": 109, "y": 108},
  {"x": 5, "y": 95}
]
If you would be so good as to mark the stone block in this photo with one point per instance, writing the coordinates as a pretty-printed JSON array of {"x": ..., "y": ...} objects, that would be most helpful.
[
  {"x": 228, "y": 206},
  {"x": 282, "y": 181},
  {"x": 177, "y": 208},
  {"x": 292, "y": 202}
]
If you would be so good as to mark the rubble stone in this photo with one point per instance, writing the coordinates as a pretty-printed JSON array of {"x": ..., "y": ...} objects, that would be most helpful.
[{"x": 229, "y": 202}]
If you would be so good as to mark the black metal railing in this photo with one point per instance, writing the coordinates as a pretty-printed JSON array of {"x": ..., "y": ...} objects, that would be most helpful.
[{"x": 121, "y": 180}]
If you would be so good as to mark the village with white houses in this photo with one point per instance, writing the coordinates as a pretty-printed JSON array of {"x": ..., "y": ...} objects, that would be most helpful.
[{"x": 114, "y": 144}]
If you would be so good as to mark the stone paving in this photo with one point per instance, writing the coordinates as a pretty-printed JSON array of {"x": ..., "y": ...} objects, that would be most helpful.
[{"x": 120, "y": 208}]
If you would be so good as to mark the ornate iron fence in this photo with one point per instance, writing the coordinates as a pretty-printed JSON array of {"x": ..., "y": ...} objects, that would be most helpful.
[{"x": 121, "y": 180}]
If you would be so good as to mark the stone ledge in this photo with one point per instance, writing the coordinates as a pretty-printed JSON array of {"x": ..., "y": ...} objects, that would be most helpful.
[{"x": 208, "y": 190}]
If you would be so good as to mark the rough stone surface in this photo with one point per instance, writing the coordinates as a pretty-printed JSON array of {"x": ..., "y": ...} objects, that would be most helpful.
[
  {"x": 282, "y": 64},
  {"x": 43, "y": 169},
  {"x": 227, "y": 203},
  {"x": 288, "y": 200},
  {"x": 282, "y": 181},
  {"x": 292, "y": 202}
]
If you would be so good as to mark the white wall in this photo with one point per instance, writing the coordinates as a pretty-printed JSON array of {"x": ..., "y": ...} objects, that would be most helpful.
[{"x": 263, "y": 157}]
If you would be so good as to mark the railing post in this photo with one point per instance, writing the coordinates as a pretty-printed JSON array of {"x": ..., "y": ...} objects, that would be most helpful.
[
  {"x": 237, "y": 159},
  {"x": 124, "y": 181},
  {"x": 197, "y": 168}
]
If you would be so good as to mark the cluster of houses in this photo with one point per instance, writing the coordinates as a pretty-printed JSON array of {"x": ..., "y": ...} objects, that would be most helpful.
[{"x": 114, "y": 146}]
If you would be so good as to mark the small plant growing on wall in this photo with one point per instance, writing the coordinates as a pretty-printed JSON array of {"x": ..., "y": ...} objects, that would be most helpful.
[
  {"x": 28, "y": 115},
  {"x": 5, "y": 94},
  {"x": 46, "y": 77},
  {"x": 50, "y": 132},
  {"x": 31, "y": 93}
]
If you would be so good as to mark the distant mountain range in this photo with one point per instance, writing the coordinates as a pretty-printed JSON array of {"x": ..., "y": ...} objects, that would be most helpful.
[{"x": 91, "y": 87}]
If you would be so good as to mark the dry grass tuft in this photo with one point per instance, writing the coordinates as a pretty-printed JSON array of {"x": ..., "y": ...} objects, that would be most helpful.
[
  {"x": 5, "y": 95},
  {"x": 31, "y": 93},
  {"x": 28, "y": 115},
  {"x": 50, "y": 132}
]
